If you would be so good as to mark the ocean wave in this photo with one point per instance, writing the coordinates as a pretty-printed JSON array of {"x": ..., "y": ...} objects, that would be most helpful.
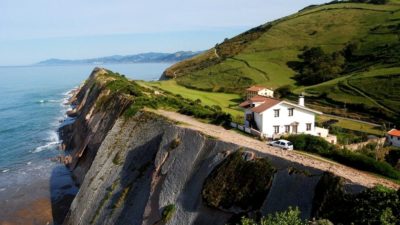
[
  {"x": 42, "y": 101},
  {"x": 52, "y": 141},
  {"x": 70, "y": 92},
  {"x": 5, "y": 171},
  {"x": 47, "y": 146}
]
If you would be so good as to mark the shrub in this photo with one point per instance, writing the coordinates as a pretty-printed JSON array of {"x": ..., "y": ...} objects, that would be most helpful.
[
  {"x": 356, "y": 160},
  {"x": 393, "y": 158},
  {"x": 363, "y": 162},
  {"x": 174, "y": 144},
  {"x": 373, "y": 206},
  {"x": 288, "y": 217},
  {"x": 238, "y": 183},
  {"x": 168, "y": 212},
  {"x": 311, "y": 143},
  {"x": 284, "y": 91}
]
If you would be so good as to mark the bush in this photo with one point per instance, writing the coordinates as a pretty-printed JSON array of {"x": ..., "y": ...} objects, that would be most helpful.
[
  {"x": 393, "y": 158},
  {"x": 311, "y": 143},
  {"x": 168, "y": 212},
  {"x": 284, "y": 91},
  {"x": 318, "y": 66},
  {"x": 321, "y": 147},
  {"x": 374, "y": 206},
  {"x": 288, "y": 217},
  {"x": 363, "y": 162},
  {"x": 346, "y": 136},
  {"x": 238, "y": 183}
]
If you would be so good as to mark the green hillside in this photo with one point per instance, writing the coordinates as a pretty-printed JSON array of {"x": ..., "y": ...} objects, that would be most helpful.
[{"x": 265, "y": 55}]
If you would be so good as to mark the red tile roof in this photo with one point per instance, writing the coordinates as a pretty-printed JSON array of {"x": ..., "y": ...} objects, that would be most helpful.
[
  {"x": 259, "y": 98},
  {"x": 245, "y": 104},
  {"x": 394, "y": 132},
  {"x": 266, "y": 105},
  {"x": 255, "y": 88},
  {"x": 267, "y": 102}
]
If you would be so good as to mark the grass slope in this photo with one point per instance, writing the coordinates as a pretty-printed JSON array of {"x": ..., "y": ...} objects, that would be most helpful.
[
  {"x": 261, "y": 56},
  {"x": 228, "y": 102}
]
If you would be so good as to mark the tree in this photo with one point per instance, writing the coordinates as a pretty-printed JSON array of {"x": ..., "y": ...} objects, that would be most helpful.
[
  {"x": 379, "y": 2},
  {"x": 289, "y": 217},
  {"x": 283, "y": 91},
  {"x": 318, "y": 66}
]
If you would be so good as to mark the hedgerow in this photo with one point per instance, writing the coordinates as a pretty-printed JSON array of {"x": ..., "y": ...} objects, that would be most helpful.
[{"x": 356, "y": 160}]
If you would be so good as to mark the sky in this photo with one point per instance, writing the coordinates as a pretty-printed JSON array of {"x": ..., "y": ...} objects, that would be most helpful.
[{"x": 31, "y": 31}]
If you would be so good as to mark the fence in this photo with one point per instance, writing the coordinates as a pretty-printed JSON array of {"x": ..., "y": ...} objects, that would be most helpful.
[{"x": 246, "y": 129}]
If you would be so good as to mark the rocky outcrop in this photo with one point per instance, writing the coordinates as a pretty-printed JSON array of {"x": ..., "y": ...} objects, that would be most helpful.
[
  {"x": 139, "y": 170},
  {"x": 83, "y": 135},
  {"x": 146, "y": 169}
]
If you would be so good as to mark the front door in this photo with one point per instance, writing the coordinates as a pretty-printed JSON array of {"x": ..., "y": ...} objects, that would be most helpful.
[{"x": 294, "y": 129}]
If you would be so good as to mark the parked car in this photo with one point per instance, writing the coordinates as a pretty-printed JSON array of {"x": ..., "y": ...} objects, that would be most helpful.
[{"x": 284, "y": 144}]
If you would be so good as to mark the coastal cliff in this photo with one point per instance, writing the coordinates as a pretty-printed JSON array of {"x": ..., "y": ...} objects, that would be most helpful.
[
  {"x": 137, "y": 167},
  {"x": 90, "y": 120}
]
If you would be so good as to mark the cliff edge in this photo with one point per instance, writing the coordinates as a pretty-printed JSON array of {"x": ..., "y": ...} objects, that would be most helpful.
[{"x": 138, "y": 167}]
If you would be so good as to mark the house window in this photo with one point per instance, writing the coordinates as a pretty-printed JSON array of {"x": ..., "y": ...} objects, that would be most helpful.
[
  {"x": 276, "y": 112},
  {"x": 287, "y": 129},
  {"x": 291, "y": 111},
  {"x": 398, "y": 138},
  {"x": 308, "y": 126},
  {"x": 276, "y": 129}
]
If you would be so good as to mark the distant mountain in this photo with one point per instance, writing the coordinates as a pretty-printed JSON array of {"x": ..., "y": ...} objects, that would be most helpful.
[{"x": 151, "y": 57}]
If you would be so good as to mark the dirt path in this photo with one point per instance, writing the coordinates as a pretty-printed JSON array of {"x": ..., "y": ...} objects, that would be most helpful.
[
  {"x": 252, "y": 67},
  {"x": 367, "y": 96},
  {"x": 216, "y": 53},
  {"x": 351, "y": 174}
]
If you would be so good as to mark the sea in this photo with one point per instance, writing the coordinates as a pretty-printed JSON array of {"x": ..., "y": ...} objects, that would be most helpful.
[{"x": 32, "y": 106}]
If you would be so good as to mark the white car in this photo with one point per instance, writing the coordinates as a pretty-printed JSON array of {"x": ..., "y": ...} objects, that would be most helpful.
[{"x": 284, "y": 144}]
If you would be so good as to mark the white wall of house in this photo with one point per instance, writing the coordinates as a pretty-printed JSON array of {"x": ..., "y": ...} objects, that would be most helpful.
[
  {"x": 322, "y": 132},
  {"x": 259, "y": 121},
  {"x": 393, "y": 140},
  {"x": 263, "y": 92},
  {"x": 266, "y": 92},
  {"x": 300, "y": 116}
]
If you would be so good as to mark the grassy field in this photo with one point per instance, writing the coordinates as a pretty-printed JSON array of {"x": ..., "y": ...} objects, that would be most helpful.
[
  {"x": 261, "y": 56},
  {"x": 352, "y": 125},
  {"x": 329, "y": 26},
  {"x": 228, "y": 102}
]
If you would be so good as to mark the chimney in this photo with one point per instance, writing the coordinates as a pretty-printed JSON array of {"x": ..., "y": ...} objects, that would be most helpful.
[{"x": 301, "y": 100}]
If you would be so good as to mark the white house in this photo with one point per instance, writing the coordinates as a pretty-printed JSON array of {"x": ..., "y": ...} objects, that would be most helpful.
[
  {"x": 258, "y": 90},
  {"x": 273, "y": 117},
  {"x": 393, "y": 137}
]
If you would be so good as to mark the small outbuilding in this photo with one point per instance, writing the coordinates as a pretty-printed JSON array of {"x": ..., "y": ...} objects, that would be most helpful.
[
  {"x": 259, "y": 91},
  {"x": 393, "y": 137}
]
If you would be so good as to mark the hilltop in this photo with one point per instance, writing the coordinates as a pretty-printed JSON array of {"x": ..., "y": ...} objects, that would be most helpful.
[
  {"x": 358, "y": 43},
  {"x": 150, "y": 57}
]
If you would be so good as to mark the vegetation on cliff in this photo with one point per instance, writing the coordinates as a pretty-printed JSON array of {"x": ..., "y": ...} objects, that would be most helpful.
[
  {"x": 238, "y": 183},
  {"x": 332, "y": 204},
  {"x": 118, "y": 86},
  {"x": 168, "y": 212},
  {"x": 358, "y": 160},
  {"x": 288, "y": 217},
  {"x": 377, "y": 205}
]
